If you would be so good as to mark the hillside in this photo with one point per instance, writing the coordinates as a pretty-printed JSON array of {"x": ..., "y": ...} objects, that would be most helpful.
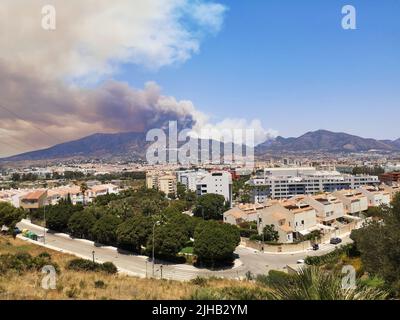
[
  {"x": 326, "y": 141},
  {"x": 98, "y": 285},
  {"x": 131, "y": 145}
]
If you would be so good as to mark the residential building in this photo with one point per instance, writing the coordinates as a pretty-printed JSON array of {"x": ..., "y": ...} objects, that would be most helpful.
[
  {"x": 392, "y": 189},
  {"x": 243, "y": 213},
  {"x": 354, "y": 201},
  {"x": 163, "y": 181},
  {"x": 390, "y": 178},
  {"x": 100, "y": 190},
  {"x": 203, "y": 182},
  {"x": 328, "y": 207},
  {"x": 34, "y": 200},
  {"x": 375, "y": 196},
  {"x": 284, "y": 183},
  {"x": 62, "y": 193}
]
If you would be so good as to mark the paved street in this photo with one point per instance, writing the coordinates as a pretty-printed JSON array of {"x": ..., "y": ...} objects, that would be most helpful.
[{"x": 249, "y": 259}]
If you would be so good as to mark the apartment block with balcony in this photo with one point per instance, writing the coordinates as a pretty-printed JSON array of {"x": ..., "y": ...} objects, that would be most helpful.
[
  {"x": 284, "y": 183},
  {"x": 163, "y": 181},
  {"x": 203, "y": 182}
]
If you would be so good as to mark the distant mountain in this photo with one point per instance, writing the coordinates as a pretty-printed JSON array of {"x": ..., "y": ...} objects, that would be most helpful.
[
  {"x": 131, "y": 145},
  {"x": 326, "y": 141},
  {"x": 124, "y": 146},
  {"x": 98, "y": 145}
]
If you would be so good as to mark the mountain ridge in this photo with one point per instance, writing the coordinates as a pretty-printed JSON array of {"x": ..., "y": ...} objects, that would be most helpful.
[{"x": 134, "y": 144}]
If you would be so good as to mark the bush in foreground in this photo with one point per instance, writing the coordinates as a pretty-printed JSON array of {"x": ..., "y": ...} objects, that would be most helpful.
[{"x": 87, "y": 265}]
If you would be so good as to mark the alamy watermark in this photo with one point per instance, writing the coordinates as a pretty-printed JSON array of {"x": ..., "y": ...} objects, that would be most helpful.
[
  {"x": 349, "y": 21},
  {"x": 50, "y": 278},
  {"x": 349, "y": 279},
  {"x": 228, "y": 146},
  {"x": 49, "y": 22}
]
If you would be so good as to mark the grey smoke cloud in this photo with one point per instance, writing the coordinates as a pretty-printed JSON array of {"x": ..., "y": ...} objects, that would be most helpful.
[
  {"x": 30, "y": 103},
  {"x": 43, "y": 101}
]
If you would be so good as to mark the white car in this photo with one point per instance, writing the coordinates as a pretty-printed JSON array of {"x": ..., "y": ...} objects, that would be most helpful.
[{"x": 300, "y": 261}]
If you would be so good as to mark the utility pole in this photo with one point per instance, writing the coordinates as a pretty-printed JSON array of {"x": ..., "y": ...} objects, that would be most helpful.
[
  {"x": 93, "y": 255},
  {"x": 161, "y": 271}
]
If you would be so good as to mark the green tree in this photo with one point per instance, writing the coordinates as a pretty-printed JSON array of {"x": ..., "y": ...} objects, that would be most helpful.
[
  {"x": 80, "y": 224},
  {"x": 134, "y": 233},
  {"x": 210, "y": 206},
  {"x": 57, "y": 216},
  {"x": 16, "y": 177},
  {"x": 105, "y": 229},
  {"x": 270, "y": 234},
  {"x": 181, "y": 191},
  {"x": 214, "y": 243},
  {"x": 378, "y": 244},
  {"x": 169, "y": 239},
  {"x": 9, "y": 215}
]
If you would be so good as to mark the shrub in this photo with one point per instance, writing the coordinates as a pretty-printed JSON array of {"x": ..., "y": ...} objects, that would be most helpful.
[
  {"x": 109, "y": 267},
  {"x": 100, "y": 284},
  {"x": 199, "y": 281},
  {"x": 22, "y": 262},
  {"x": 87, "y": 265}
]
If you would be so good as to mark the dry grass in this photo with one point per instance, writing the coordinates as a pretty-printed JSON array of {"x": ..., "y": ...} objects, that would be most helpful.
[{"x": 81, "y": 285}]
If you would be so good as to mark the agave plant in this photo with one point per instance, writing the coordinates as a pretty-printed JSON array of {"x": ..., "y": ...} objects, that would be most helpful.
[{"x": 312, "y": 283}]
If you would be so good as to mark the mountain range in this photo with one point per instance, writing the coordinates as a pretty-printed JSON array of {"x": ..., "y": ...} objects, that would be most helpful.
[{"x": 133, "y": 145}]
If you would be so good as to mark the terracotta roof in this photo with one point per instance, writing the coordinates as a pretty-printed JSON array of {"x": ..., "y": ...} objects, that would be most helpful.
[{"x": 34, "y": 195}]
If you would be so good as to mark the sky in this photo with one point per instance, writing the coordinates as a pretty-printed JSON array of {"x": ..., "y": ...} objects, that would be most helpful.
[{"x": 281, "y": 67}]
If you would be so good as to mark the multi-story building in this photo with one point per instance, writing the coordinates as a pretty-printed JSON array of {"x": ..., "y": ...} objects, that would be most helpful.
[
  {"x": 375, "y": 196},
  {"x": 163, "y": 181},
  {"x": 34, "y": 200},
  {"x": 243, "y": 213},
  {"x": 354, "y": 201},
  {"x": 390, "y": 178},
  {"x": 328, "y": 207},
  {"x": 284, "y": 183},
  {"x": 203, "y": 182},
  {"x": 393, "y": 189}
]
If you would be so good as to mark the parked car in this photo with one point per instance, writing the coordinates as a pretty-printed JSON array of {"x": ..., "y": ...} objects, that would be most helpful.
[
  {"x": 315, "y": 247},
  {"x": 335, "y": 241},
  {"x": 300, "y": 261}
]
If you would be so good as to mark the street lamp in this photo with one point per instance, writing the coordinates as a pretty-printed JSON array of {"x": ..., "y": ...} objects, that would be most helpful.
[
  {"x": 44, "y": 227},
  {"x": 154, "y": 229}
]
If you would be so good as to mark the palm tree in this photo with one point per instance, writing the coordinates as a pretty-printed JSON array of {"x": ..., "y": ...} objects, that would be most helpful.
[
  {"x": 313, "y": 283},
  {"x": 84, "y": 188}
]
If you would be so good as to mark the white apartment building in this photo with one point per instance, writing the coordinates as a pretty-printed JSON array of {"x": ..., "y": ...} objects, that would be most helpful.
[
  {"x": 284, "y": 183},
  {"x": 375, "y": 196},
  {"x": 203, "y": 182},
  {"x": 328, "y": 207},
  {"x": 354, "y": 201}
]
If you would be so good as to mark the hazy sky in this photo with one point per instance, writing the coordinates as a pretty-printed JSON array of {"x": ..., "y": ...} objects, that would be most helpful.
[{"x": 279, "y": 66}]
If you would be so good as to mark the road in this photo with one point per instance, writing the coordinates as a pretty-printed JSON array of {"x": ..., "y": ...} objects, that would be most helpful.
[{"x": 248, "y": 259}]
